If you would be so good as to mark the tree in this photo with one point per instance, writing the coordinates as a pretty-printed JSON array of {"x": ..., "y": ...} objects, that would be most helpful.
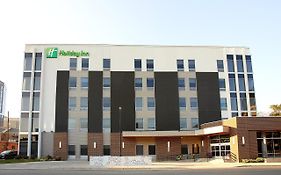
[{"x": 276, "y": 110}]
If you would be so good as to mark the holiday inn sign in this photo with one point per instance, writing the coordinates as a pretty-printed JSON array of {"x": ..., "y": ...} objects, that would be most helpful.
[{"x": 54, "y": 52}]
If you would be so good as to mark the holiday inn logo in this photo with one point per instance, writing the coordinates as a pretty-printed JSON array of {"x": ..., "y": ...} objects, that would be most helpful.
[{"x": 52, "y": 52}]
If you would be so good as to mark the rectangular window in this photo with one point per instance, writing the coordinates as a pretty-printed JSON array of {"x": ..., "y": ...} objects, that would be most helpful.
[
  {"x": 138, "y": 83},
  {"x": 191, "y": 65},
  {"x": 150, "y": 82},
  {"x": 233, "y": 101},
  {"x": 244, "y": 114},
  {"x": 183, "y": 123},
  {"x": 26, "y": 81},
  {"x": 139, "y": 123},
  {"x": 83, "y": 150},
  {"x": 83, "y": 123},
  {"x": 37, "y": 81},
  {"x": 36, "y": 101},
  {"x": 251, "y": 82},
  {"x": 38, "y": 61},
  {"x": 184, "y": 149},
  {"x": 84, "y": 82},
  {"x": 83, "y": 103},
  {"x": 243, "y": 102},
  {"x": 241, "y": 82},
  {"x": 138, "y": 103},
  {"x": 85, "y": 63},
  {"x": 106, "y": 123},
  {"x": 71, "y": 150},
  {"x": 106, "y": 82},
  {"x": 27, "y": 61},
  {"x": 71, "y": 123},
  {"x": 239, "y": 62},
  {"x": 138, "y": 64},
  {"x": 72, "y": 82},
  {"x": 234, "y": 114},
  {"x": 222, "y": 84},
  {"x": 106, "y": 64},
  {"x": 25, "y": 101},
  {"x": 192, "y": 84},
  {"x": 151, "y": 150},
  {"x": 106, "y": 103},
  {"x": 230, "y": 63},
  {"x": 232, "y": 82},
  {"x": 194, "y": 123},
  {"x": 249, "y": 63},
  {"x": 72, "y": 103},
  {"x": 182, "y": 103},
  {"x": 252, "y": 102},
  {"x": 139, "y": 150},
  {"x": 106, "y": 150},
  {"x": 151, "y": 123},
  {"x": 193, "y": 103},
  {"x": 181, "y": 83},
  {"x": 220, "y": 65},
  {"x": 149, "y": 65},
  {"x": 73, "y": 63},
  {"x": 223, "y": 104},
  {"x": 180, "y": 65},
  {"x": 150, "y": 103}
]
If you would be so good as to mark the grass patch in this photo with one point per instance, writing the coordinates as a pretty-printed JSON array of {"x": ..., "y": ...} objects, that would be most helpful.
[{"x": 18, "y": 161}]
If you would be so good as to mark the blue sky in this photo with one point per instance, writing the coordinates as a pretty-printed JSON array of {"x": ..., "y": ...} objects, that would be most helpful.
[{"x": 255, "y": 24}]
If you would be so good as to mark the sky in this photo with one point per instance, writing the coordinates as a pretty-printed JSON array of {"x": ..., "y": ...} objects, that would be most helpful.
[{"x": 252, "y": 23}]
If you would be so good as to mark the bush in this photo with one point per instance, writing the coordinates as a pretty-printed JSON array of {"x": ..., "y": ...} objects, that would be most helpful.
[
  {"x": 57, "y": 158},
  {"x": 257, "y": 160}
]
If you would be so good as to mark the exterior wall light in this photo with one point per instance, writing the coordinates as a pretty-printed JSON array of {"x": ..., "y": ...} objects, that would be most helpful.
[
  {"x": 60, "y": 145},
  {"x": 169, "y": 146},
  {"x": 95, "y": 145},
  {"x": 243, "y": 140},
  {"x": 202, "y": 143},
  {"x": 123, "y": 145}
]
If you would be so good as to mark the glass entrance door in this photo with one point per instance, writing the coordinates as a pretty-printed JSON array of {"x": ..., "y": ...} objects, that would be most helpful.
[{"x": 220, "y": 149}]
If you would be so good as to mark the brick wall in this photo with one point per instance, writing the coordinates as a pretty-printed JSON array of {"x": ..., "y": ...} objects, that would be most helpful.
[
  {"x": 98, "y": 138},
  {"x": 63, "y": 151},
  {"x": 162, "y": 147}
]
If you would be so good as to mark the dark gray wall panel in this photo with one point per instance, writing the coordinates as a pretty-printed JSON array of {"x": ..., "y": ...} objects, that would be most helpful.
[
  {"x": 61, "y": 114},
  {"x": 208, "y": 97},
  {"x": 123, "y": 95},
  {"x": 167, "y": 101},
  {"x": 95, "y": 113}
]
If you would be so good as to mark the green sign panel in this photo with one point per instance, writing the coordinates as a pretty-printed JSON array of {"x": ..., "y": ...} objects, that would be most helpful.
[{"x": 54, "y": 52}]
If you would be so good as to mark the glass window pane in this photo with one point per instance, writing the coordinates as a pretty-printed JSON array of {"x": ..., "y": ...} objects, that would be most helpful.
[
  {"x": 71, "y": 123},
  {"x": 251, "y": 82},
  {"x": 106, "y": 63},
  {"x": 223, "y": 104},
  {"x": 150, "y": 102},
  {"x": 222, "y": 84},
  {"x": 36, "y": 101},
  {"x": 137, "y": 64},
  {"x": 239, "y": 62},
  {"x": 243, "y": 102},
  {"x": 150, "y": 64},
  {"x": 106, "y": 82},
  {"x": 72, "y": 103},
  {"x": 252, "y": 102},
  {"x": 230, "y": 63},
  {"x": 73, "y": 63},
  {"x": 106, "y": 103},
  {"x": 191, "y": 65},
  {"x": 83, "y": 150},
  {"x": 194, "y": 123},
  {"x": 71, "y": 150},
  {"x": 220, "y": 65},
  {"x": 182, "y": 103},
  {"x": 139, "y": 150},
  {"x": 249, "y": 63},
  {"x": 241, "y": 82},
  {"x": 192, "y": 84},
  {"x": 139, "y": 123},
  {"x": 150, "y": 82},
  {"x": 83, "y": 123},
  {"x": 181, "y": 82},
  {"x": 233, "y": 100},
  {"x": 183, "y": 123},
  {"x": 85, "y": 63},
  {"x": 37, "y": 81},
  {"x": 84, "y": 102},
  {"x": 232, "y": 83},
  {"x": 25, "y": 101},
  {"x": 180, "y": 65},
  {"x": 84, "y": 82},
  {"x": 151, "y": 150},
  {"x": 38, "y": 60},
  {"x": 138, "y": 82},
  {"x": 151, "y": 123},
  {"x": 26, "y": 80},
  {"x": 106, "y": 150},
  {"x": 193, "y": 103},
  {"x": 28, "y": 61},
  {"x": 138, "y": 103},
  {"x": 72, "y": 82},
  {"x": 106, "y": 123}
]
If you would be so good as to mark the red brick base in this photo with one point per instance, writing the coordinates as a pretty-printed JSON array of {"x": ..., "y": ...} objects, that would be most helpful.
[
  {"x": 61, "y": 137},
  {"x": 98, "y": 139},
  {"x": 162, "y": 151}
]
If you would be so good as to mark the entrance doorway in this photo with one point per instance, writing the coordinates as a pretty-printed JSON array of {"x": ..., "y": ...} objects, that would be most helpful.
[{"x": 220, "y": 146}]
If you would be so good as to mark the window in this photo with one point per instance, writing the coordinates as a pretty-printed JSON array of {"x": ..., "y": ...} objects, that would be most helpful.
[
  {"x": 230, "y": 63},
  {"x": 139, "y": 123},
  {"x": 192, "y": 84},
  {"x": 83, "y": 150},
  {"x": 139, "y": 150},
  {"x": 194, "y": 123},
  {"x": 232, "y": 83},
  {"x": 25, "y": 101},
  {"x": 84, "y": 103},
  {"x": 243, "y": 102},
  {"x": 150, "y": 82},
  {"x": 150, "y": 65},
  {"x": 71, "y": 123},
  {"x": 183, "y": 123},
  {"x": 180, "y": 65},
  {"x": 71, "y": 150},
  {"x": 182, "y": 103},
  {"x": 234, "y": 114},
  {"x": 106, "y": 150},
  {"x": 150, "y": 103},
  {"x": 72, "y": 103},
  {"x": 222, "y": 84},
  {"x": 233, "y": 101},
  {"x": 36, "y": 101},
  {"x": 252, "y": 102},
  {"x": 106, "y": 123},
  {"x": 138, "y": 64},
  {"x": 72, "y": 82},
  {"x": 138, "y": 83},
  {"x": 181, "y": 82},
  {"x": 37, "y": 81},
  {"x": 73, "y": 63},
  {"x": 151, "y": 150},
  {"x": 193, "y": 103},
  {"x": 241, "y": 82},
  {"x": 220, "y": 65},
  {"x": 151, "y": 123},
  {"x": 27, "y": 61},
  {"x": 251, "y": 82},
  {"x": 83, "y": 123},
  {"x": 138, "y": 103},
  {"x": 38, "y": 61},
  {"x": 223, "y": 104},
  {"x": 106, "y": 103},
  {"x": 84, "y": 82},
  {"x": 106, "y": 82},
  {"x": 85, "y": 63},
  {"x": 26, "y": 81},
  {"x": 184, "y": 149},
  {"x": 106, "y": 64},
  {"x": 191, "y": 65},
  {"x": 244, "y": 114},
  {"x": 249, "y": 63},
  {"x": 239, "y": 62}
]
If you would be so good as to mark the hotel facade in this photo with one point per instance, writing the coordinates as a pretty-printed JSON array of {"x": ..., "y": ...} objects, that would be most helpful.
[{"x": 81, "y": 100}]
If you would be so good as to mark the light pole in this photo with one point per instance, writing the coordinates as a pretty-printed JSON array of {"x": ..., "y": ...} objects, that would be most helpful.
[{"x": 120, "y": 128}]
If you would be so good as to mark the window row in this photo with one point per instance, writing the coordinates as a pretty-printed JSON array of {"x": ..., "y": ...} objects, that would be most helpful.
[
  {"x": 241, "y": 82},
  {"x": 150, "y": 123},
  {"x": 193, "y": 103},
  {"x": 85, "y": 63},
  {"x": 184, "y": 123},
  {"x": 243, "y": 102},
  {"x": 26, "y": 83},
  {"x": 28, "y": 61},
  {"x": 239, "y": 63}
]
